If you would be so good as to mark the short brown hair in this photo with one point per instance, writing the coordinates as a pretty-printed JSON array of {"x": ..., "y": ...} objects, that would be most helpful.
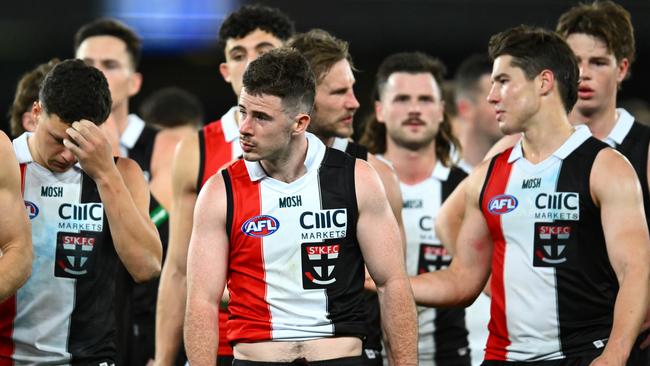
[
  {"x": 284, "y": 73},
  {"x": 27, "y": 94},
  {"x": 535, "y": 49},
  {"x": 322, "y": 50},
  {"x": 605, "y": 20}
]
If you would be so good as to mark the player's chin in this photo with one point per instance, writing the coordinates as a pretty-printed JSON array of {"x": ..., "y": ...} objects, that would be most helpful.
[
  {"x": 251, "y": 156},
  {"x": 345, "y": 131}
]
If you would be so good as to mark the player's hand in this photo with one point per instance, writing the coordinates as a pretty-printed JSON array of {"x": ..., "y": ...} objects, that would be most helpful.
[
  {"x": 91, "y": 147},
  {"x": 608, "y": 359},
  {"x": 113, "y": 134}
]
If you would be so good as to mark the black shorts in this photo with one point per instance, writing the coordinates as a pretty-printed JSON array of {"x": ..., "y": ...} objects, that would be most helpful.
[
  {"x": 639, "y": 357},
  {"x": 372, "y": 357},
  {"x": 345, "y": 361},
  {"x": 574, "y": 361}
]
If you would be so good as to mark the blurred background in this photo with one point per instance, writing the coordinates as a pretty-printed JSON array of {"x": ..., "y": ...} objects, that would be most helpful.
[{"x": 179, "y": 37}]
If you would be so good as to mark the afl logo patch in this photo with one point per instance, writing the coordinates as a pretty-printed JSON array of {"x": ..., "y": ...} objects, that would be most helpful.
[
  {"x": 260, "y": 226},
  {"x": 32, "y": 210},
  {"x": 502, "y": 204}
]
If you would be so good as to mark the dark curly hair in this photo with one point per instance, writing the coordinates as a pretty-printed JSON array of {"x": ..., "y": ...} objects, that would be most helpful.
[
  {"x": 374, "y": 135},
  {"x": 536, "y": 49},
  {"x": 114, "y": 28},
  {"x": 251, "y": 17},
  {"x": 26, "y": 94},
  {"x": 74, "y": 91},
  {"x": 172, "y": 107},
  {"x": 286, "y": 74},
  {"x": 604, "y": 20}
]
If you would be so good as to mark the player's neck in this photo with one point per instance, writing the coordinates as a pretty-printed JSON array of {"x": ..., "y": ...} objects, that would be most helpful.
[
  {"x": 34, "y": 151},
  {"x": 600, "y": 122},
  {"x": 289, "y": 165},
  {"x": 412, "y": 166},
  {"x": 545, "y": 134},
  {"x": 328, "y": 141},
  {"x": 119, "y": 118},
  {"x": 474, "y": 146}
]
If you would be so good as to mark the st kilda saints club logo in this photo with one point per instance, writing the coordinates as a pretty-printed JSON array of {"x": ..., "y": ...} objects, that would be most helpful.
[
  {"x": 553, "y": 244},
  {"x": 319, "y": 263},
  {"x": 433, "y": 257},
  {"x": 75, "y": 254}
]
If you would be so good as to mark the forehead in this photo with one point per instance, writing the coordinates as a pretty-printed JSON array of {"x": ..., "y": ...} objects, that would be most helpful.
[
  {"x": 503, "y": 66},
  {"x": 102, "y": 47},
  {"x": 339, "y": 74},
  {"x": 269, "y": 104},
  {"x": 53, "y": 124},
  {"x": 253, "y": 39},
  {"x": 583, "y": 44},
  {"x": 418, "y": 83}
]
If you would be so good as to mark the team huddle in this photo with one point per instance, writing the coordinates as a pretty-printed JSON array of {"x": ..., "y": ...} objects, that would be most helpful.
[{"x": 505, "y": 223}]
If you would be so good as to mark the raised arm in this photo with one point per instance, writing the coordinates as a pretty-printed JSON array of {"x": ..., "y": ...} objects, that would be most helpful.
[
  {"x": 628, "y": 248},
  {"x": 452, "y": 211},
  {"x": 462, "y": 282},
  {"x": 377, "y": 233},
  {"x": 450, "y": 217},
  {"x": 207, "y": 265},
  {"x": 125, "y": 196},
  {"x": 15, "y": 233},
  {"x": 172, "y": 291}
]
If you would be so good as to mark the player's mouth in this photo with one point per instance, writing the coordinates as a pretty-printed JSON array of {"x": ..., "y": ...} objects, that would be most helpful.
[
  {"x": 246, "y": 146},
  {"x": 585, "y": 92},
  {"x": 413, "y": 122}
]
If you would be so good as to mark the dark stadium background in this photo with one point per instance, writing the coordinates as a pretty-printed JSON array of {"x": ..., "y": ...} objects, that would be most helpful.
[{"x": 180, "y": 35}]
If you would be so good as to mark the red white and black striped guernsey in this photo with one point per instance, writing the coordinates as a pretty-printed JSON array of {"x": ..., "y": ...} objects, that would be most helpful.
[
  {"x": 632, "y": 139},
  {"x": 295, "y": 267},
  {"x": 553, "y": 288},
  {"x": 442, "y": 335},
  {"x": 218, "y": 145},
  {"x": 372, "y": 346},
  {"x": 64, "y": 312}
]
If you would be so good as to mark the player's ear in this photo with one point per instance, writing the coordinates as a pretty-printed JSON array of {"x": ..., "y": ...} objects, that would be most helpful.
[
  {"x": 546, "y": 81},
  {"x": 300, "y": 123}
]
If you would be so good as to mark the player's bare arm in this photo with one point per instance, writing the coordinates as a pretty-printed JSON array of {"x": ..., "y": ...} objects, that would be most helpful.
[
  {"x": 16, "y": 252},
  {"x": 450, "y": 217},
  {"x": 172, "y": 290},
  {"x": 628, "y": 248},
  {"x": 462, "y": 282},
  {"x": 125, "y": 196},
  {"x": 377, "y": 233},
  {"x": 452, "y": 211},
  {"x": 207, "y": 264}
]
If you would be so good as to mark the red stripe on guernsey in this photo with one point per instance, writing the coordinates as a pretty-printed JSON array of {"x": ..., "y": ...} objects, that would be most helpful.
[
  {"x": 250, "y": 316},
  {"x": 218, "y": 152},
  {"x": 496, "y": 184},
  {"x": 8, "y": 309},
  {"x": 23, "y": 168}
]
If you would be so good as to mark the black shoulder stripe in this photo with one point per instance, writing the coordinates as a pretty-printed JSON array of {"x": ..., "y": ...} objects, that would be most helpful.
[
  {"x": 199, "y": 178},
  {"x": 487, "y": 179},
  {"x": 335, "y": 158},
  {"x": 229, "y": 201},
  {"x": 456, "y": 175}
]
